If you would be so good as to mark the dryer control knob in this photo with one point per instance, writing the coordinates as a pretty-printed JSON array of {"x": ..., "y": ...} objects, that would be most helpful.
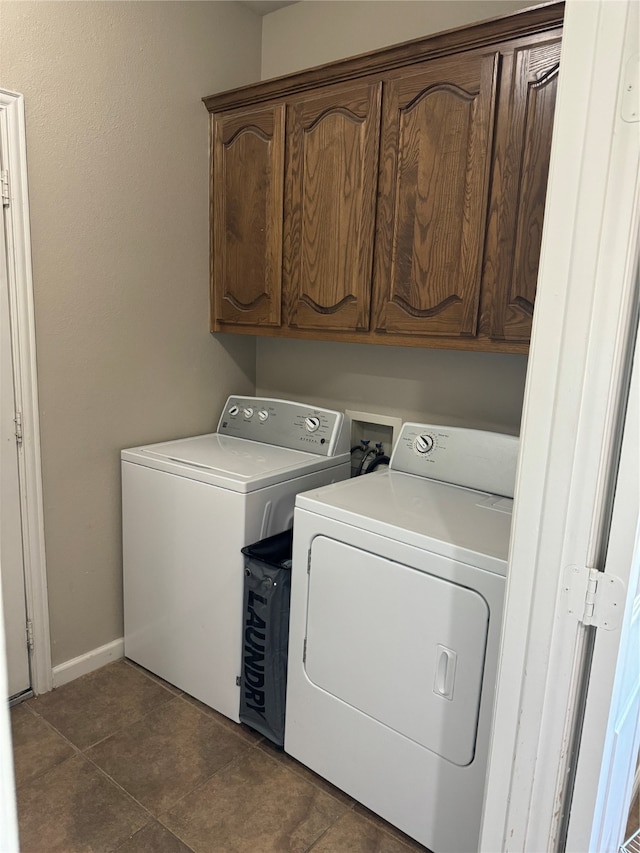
[
  {"x": 311, "y": 424},
  {"x": 424, "y": 444},
  {"x": 233, "y": 411},
  {"x": 263, "y": 415},
  {"x": 248, "y": 413}
]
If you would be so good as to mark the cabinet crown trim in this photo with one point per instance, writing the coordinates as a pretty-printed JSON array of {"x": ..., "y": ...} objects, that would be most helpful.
[{"x": 535, "y": 20}]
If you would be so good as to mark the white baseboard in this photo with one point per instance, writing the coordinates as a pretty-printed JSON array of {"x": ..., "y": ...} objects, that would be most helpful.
[{"x": 72, "y": 669}]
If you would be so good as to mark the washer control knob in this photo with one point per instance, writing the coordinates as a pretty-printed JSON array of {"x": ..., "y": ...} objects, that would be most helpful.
[
  {"x": 263, "y": 415},
  {"x": 311, "y": 424},
  {"x": 424, "y": 444},
  {"x": 233, "y": 411},
  {"x": 248, "y": 413}
]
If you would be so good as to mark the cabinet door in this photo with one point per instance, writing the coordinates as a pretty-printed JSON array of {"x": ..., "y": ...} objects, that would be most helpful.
[
  {"x": 437, "y": 130},
  {"x": 332, "y": 167},
  {"x": 523, "y": 148},
  {"x": 247, "y": 199}
]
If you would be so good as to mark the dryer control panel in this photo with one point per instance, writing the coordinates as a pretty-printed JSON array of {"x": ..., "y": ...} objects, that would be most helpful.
[
  {"x": 284, "y": 423},
  {"x": 476, "y": 459}
]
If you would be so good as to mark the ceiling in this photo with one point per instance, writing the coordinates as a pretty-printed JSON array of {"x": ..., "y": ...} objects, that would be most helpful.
[{"x": 263, "y": 7}]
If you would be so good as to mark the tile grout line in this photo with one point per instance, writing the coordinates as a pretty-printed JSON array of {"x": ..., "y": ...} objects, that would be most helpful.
[
  {"x": 130, "y": 723},
  {"x": 155, "y": 679},
  {"x": 186, "y": 697},
  {"x": 322, "y": 834},
  {"x": 389, "y": 832},
  {"x": 114, "y": 732},
  {"x": 177, "y": 837},
  {"x": 129, "y": 796},
  {"x": 192, "y": 700},
  {"x": 249, "y": 746},
  {"x": 421, "y": 848},
  {"x": 237, "y": 759},
  {"x": 374, "y": 823},
  {"x": 77, "y": 751},
  {"x": 255, "y": 745},
  {"x": 186, "y": 794},
  {"x": 26, "y": 705},
  {"x": 177, "y": 696},
  {"x": 173, "y": 697},
  {"x": 294, "y": 769},
  {"x": 202, "y": 783}
]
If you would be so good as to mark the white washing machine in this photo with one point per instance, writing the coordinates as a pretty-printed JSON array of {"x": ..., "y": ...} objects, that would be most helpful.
[
  {"x": 396, "y": 608},
  {"x": 189, "y": 506}
]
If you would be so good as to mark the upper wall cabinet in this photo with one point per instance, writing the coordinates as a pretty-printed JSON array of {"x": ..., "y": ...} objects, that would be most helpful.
[
  {"x": 521, "y": 167},
  {"x": 396, "y": 197},
  {"x": 330, "y": 204},
  {"x": 246, "y": 207},
  {"x": 434, "y": 184}
]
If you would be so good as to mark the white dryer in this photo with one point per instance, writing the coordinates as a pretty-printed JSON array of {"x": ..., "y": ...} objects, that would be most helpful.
[
  {"x": 396, "y": 608},
  {"x": 189, "y": 506}
]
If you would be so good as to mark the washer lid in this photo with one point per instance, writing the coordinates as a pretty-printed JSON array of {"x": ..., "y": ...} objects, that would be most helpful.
[
  {"x": 466, "y": 525},
  {"x": 231, "y": 463}
]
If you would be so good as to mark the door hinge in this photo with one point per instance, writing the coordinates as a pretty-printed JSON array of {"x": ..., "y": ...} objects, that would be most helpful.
[
  {"x": 304, "y": 651},
  {"x": 30, "y": 635},
  {"x": 238, "y": 680},
  {"x": 4, "y": 188},
  {"x": 309, "y": 562},
  {"x": 595, "y": 598},
  {"x": 18, "y": 427}
]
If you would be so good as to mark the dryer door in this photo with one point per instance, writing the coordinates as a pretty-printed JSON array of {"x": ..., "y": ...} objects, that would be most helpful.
[{"x": 402, "y": 646}]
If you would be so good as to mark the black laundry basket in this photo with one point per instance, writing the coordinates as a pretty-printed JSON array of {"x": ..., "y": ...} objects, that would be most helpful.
[{"x": 267, "y": 592}]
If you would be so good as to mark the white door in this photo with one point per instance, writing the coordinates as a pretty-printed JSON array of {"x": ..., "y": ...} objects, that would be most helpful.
[
  {"x": 571, "y": 419},
  {"x": 11, "y": 553},
  {"x": 611, "y": 729}
]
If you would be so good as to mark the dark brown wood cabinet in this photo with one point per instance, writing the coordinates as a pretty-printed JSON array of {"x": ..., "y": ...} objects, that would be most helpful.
[
  {"x": 330, "y": 203},
  {"x": 247, "y": 208},
  {"x": 436, "y": 155},
  {"x": 521, "y": 166},
  {"x": 396, "y": 197}
]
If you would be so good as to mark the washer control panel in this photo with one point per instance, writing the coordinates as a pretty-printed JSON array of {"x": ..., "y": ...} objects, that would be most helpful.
[
  {"x": 476, "y": 459},
  {"x": 283, "y": 423}
]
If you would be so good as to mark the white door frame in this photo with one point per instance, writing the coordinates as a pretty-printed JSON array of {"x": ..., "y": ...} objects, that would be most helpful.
[
  {"x": 605, "y": 770},
  {"x": 26, "y": 390},
  {"x": 571, "y": 421}
]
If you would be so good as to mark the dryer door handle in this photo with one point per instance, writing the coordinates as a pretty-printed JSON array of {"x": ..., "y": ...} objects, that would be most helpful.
[{"x": 446, "y": 660}]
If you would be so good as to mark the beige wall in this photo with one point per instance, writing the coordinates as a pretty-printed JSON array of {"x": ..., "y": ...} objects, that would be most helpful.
[
  {"x": 472, "y": 388},
  {"x": 483, "y": 390},
  {"x": 118, "y": 172},
  {"x": 117, "y": 156},
  {"x": 316, "y": 31}
]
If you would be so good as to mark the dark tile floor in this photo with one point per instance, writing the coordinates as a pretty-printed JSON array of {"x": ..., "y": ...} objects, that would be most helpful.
[{"x": 121, "y": 761}]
